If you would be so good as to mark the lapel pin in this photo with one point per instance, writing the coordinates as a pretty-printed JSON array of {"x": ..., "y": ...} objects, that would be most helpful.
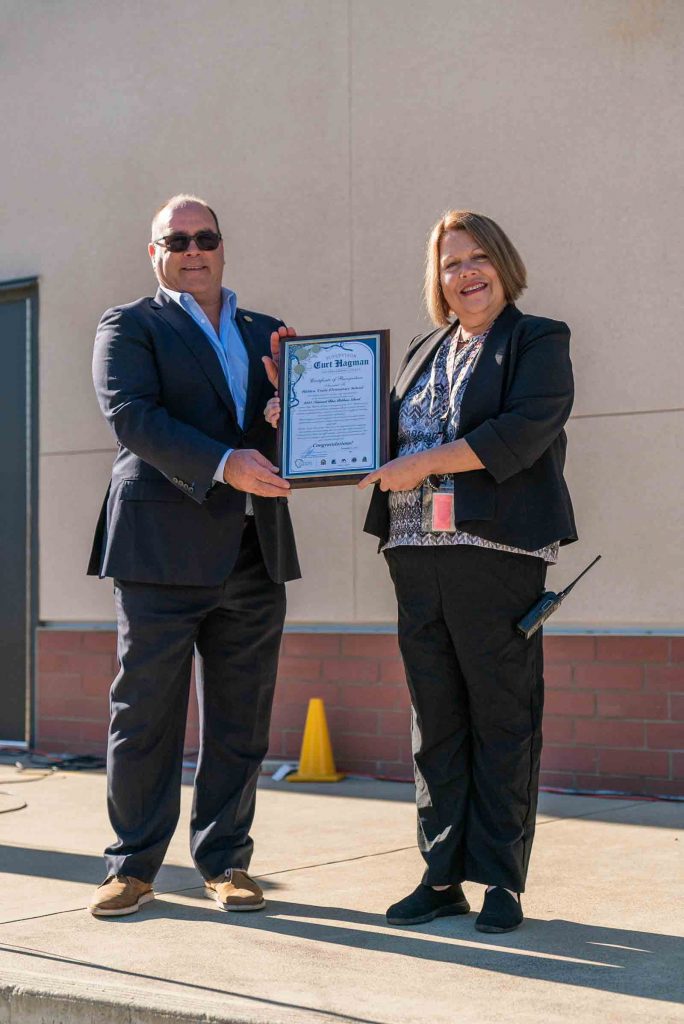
[{"x": 249, "y": 319}]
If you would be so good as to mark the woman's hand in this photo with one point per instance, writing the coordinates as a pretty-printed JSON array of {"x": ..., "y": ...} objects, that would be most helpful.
[
  {"x": 398, "y": 475},
  {"x": 272, "y": 411},
  {"x": 271, "y": 362}
]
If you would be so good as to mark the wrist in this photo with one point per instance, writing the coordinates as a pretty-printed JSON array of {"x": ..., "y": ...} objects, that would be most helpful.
[
  {"x": 220, "y": 473},
  {"x": 428, "y": 462},
  {"x": 227, "y": 466}
]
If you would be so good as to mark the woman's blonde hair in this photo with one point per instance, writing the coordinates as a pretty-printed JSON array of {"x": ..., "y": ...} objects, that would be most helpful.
[{"x": 494, "y": 243}]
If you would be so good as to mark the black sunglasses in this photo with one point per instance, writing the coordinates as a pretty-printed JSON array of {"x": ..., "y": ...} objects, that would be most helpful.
[{"x": 207, "y": 241}]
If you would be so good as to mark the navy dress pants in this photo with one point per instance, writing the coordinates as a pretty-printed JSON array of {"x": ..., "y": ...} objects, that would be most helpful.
[
  {"x": 234, "y": 632},
  {"x": 477, "y": 694}
]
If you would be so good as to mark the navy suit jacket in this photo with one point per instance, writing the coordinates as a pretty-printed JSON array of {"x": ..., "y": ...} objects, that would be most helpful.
[
  {"x": 514, "y": 407},
  {"x": 161, "y": 387}
]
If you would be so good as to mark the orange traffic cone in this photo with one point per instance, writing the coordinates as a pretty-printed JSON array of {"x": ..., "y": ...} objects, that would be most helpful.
[{"x": 316, "y": 762}]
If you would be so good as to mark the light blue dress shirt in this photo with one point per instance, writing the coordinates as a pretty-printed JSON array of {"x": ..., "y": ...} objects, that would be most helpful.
[{"x": 230, "y": 350}]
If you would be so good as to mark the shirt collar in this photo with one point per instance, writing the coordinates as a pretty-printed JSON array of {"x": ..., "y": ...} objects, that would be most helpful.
[{"x": 228, "y": 298}]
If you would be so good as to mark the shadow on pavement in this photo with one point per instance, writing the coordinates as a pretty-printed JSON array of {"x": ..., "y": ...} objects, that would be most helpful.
[
  {"x": 80, "y": 867},
  {"x": 643, "y": 964}
]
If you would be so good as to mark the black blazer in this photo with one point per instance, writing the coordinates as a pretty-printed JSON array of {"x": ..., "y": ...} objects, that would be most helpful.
[
  {"x": 514, "y": 408},
  {"x": 161, "y": 387}
]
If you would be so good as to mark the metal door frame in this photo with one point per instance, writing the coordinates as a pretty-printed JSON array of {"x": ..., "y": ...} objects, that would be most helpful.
[{"x": 26, "y": 288}]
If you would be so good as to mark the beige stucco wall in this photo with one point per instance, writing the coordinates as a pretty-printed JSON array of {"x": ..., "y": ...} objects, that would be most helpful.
[{"x": 329, "y": 135}]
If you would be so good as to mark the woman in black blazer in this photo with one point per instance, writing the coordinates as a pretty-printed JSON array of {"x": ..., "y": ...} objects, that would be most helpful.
[{"x": 469, "y": 512}]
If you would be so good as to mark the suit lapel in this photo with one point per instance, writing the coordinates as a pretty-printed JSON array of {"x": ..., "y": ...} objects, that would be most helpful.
[
  {"x": 414, "y": 362},
  {"x": 253, "y": 341},
  {"x": 482, "y": 395},
  {"x": 198, "y": 343},
  {"x": 418, "y": 359}
]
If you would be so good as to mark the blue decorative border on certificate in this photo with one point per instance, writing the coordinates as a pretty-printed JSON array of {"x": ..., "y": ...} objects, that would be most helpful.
[{"x": 290, "y": 400}]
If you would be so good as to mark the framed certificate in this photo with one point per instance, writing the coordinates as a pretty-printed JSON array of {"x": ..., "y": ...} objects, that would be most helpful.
[{"x": 334, "y": 407}]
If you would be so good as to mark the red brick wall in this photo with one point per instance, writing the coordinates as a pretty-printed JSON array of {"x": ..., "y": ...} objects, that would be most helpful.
[
  {"x": 614, "y": 715},
  {"x": 75, "y": 669}
]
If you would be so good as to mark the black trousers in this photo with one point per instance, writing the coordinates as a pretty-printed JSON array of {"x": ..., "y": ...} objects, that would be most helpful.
[
  {"x": 234, "y": 630},
  {"x": 477, "y": 695}
]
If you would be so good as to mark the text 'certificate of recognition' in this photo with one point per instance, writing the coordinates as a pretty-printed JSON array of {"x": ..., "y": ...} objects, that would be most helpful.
[{"x": 333, "y": 390}]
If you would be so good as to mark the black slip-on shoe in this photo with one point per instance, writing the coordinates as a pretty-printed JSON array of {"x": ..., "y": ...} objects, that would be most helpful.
[
  {"x": 426, "y": 903},
  {"x": 500, "y": 912}
]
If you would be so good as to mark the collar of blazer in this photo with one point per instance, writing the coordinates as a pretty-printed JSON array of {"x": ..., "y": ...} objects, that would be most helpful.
[
  {"x": 416, "y": 360},
  {"x": 491, "y": 354},
  {"x": 483, "y": 394},
  {"x": 195, "y": 339},
  {"x": 256, "y": 342}
]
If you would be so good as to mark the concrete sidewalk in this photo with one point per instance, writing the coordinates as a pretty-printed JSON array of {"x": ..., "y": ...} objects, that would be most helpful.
[{"x": 602, "y": 936}]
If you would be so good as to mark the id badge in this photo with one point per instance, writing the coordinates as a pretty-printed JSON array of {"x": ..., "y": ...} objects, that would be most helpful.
[{"x": 438, "y": 507}]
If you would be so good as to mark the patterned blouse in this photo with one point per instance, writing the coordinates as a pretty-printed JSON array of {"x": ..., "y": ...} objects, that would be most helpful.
[{"x": 429, "y": 416}]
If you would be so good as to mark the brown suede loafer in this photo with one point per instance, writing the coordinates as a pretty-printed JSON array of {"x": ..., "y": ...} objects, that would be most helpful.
[
  {"x": 235, "y": 890},
  {"x": 119, "y": 895}
]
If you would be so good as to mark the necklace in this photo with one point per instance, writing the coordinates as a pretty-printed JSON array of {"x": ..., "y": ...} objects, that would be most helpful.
[
  {"x": 461, "y": 341},
  {"x": 480, "y": 333}
]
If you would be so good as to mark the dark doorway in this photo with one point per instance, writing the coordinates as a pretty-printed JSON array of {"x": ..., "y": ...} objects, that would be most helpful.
[{"x": 18, "y": 470}]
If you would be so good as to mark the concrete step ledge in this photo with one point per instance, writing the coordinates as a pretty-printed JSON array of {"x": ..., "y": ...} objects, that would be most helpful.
[{"x": 28, "y": 997}]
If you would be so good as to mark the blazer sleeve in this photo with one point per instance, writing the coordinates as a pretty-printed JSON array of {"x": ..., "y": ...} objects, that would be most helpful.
[
  {"x": 128, "y": 390},
  {"x": 535, "y": 407}
]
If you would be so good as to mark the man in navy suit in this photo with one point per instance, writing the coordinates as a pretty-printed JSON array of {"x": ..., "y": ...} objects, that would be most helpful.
[{"x": 196, "y": 533}]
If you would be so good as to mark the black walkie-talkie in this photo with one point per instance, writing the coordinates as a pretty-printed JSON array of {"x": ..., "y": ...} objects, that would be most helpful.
[{"x": 546, "y": 605}]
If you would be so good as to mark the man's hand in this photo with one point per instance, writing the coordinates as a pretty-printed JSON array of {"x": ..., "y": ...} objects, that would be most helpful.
[
  {"x": 398, "y": 475},
  {"x": 271, "y": 362},
  {"x": 246, "y": 469}
]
